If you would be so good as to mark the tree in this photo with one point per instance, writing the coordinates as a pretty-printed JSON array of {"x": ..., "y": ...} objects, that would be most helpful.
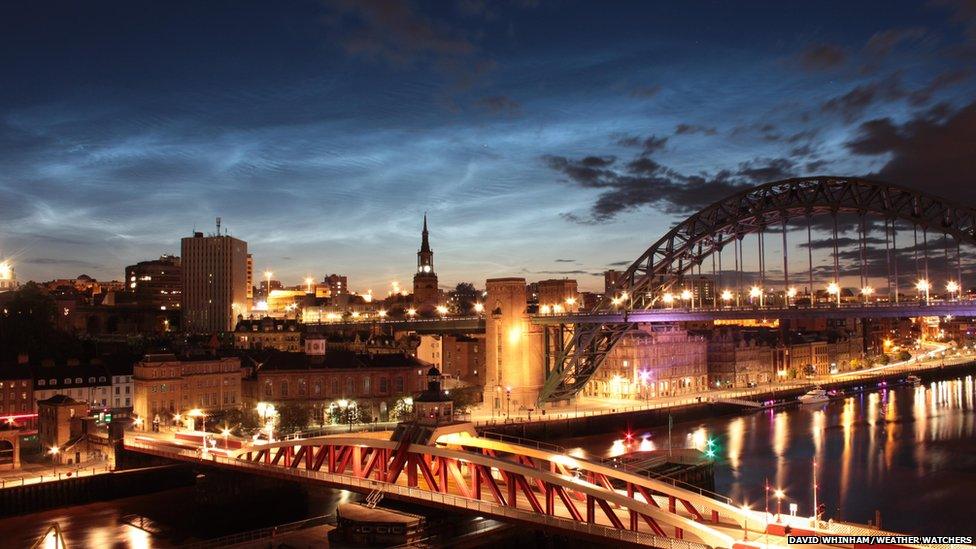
[
  {"x": 465, "y": 296},
  {"x": 293, "y": 417}
]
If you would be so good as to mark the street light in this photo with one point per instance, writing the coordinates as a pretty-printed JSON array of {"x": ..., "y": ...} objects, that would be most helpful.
[
  {"x": 54, "y": 451},
  {"x": 952, "y": 287},
  {"x": 382, "y": 313},
  {"x": 137, "y": 422},
  {"x": 745, "y": 522},
  {"x": 779, "y": 494},
  {"x": 668, "y": 299},
  {"x": 347, "y": 406},
  {"x": 834, "y": 289},
  {"x": 867, "y": 291},
  {"x": 790, "y": 294},
  {"x": 266, "y": 410},
  {"x": 479, "y": 308},
  {"x": 726, "y": 296},
  {"x": 441, "y": 310},
  {"x": 308, "y": 285},
  {"x": 570, "y": 301},
  {"x": 686, "y": 295},
  {"x": 755, "y": 292},
  {"x": 411, "y": 312},
  {"x": 226, "y": 432},
  {"x": 544, "y": 309},
  {"x": 508, "y": 398},
  {"x": 924, "y": 286},
  {"x": 267, "y": 276}
]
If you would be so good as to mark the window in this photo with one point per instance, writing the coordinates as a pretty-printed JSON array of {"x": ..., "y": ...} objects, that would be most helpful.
[
  {"x": 366, "y": 385},
  {"x": 384, "y": 385},
  {"x": 53, "y": 382},
  {"x": 350, "y": 387},
  {"x": 284, "y": 388},
  {"x": 79, "y": 381},
  {"x": 41, "y": 382},
  {"x": 91, "y": 379},
  {"x": 67, "y": 381},
  {"x": 302, "y": 387},
  {"x": 398, "y": 384},
  {"x": 268, "y": 389}
]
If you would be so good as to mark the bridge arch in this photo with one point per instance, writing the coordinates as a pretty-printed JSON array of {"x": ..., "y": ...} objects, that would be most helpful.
[{"x": 751, "y": 211}]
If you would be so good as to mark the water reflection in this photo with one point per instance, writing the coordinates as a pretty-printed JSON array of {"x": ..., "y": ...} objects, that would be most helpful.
[{"x": 908, "y": 452}]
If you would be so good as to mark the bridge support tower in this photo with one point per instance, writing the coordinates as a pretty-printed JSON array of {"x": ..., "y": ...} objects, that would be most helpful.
[{"x": 513, "y": 349}]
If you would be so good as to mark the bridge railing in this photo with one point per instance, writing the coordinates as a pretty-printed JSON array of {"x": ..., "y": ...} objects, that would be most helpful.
[
  {"x": 450, "y": 500},
  {"x": 528, "y": 442},
  {"x": 934, "y": 304}
]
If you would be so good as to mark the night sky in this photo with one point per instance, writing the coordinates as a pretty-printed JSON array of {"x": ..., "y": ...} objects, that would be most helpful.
[{"x": 544, "y": 138}]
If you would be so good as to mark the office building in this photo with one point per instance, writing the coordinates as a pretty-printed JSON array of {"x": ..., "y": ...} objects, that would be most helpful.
[{"x": 214, "y": 282}]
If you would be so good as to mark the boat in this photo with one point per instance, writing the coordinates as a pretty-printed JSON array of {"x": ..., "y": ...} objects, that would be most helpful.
[
  {"x": 814, "y": 396},
  {"x": 913, "y": 380}
]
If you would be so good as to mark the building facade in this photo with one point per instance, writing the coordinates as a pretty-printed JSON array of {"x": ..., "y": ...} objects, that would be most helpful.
[
  {"x": 165, "y": 385},
  {"x": 652, "y": 361},
  {"x": 84, "y": 382},
  {"x": 157, "y": 283},
  {"x": 283, "y": 334},
  {"x": 374, "y": 382},
  {"x": 737, "y": 358},
  {"x": 214, "y": 280}
]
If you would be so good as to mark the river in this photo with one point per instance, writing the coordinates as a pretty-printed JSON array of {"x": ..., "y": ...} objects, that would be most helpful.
[{"x": 907, "y": 452}]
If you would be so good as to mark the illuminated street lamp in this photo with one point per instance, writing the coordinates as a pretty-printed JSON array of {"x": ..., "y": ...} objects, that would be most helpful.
[
  {"x": 54, "y": 451},
  {"x": 411, "y": 312},
  {"x": 867, "y": 291},
  {"x": 755, "y": 292},
  {"x": 745, "y": 522},
  {"x": 570, "y": 301},
  {"x": 726, "y": 296},
  {"x": 347, "y": 407},
  {"x": 668, "y": 299},
  {"x": 308, "y": 285},
  {"x": 557, "y": 309},
  {"x": 267, "y": 410},
  {"x": 544, "y": 309},
  {"x": 924, "y": 286},
  {"x": 779, "y": 494},
  {"x": 479, "y": 308},
  {"x": 226, "y": 432},
  {"x": 382, "y": 313},
  {"x": 442, "y": 310},
  {"x": 834, "y": 289},
  {"x": 198, "y": 413},
  {"x": 952, "y": 287},
  {"x": 686, "y": 295},
  {"x": 790, "y": 294},
  {"x": 267, "y": 276}
]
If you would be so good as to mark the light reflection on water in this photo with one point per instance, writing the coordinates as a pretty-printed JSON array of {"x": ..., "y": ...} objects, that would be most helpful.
[{"x": 908, "y": 452}]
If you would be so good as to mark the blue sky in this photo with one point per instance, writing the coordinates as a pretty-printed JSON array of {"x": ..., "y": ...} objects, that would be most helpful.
[{"x": 321, "y": 131}]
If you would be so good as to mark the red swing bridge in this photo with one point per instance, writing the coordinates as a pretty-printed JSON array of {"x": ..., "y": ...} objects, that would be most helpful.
[{"x": 530, "y": 483}]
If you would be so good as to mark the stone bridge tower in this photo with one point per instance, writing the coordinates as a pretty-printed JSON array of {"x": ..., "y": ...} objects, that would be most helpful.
[{"x": 513, "y": 349}]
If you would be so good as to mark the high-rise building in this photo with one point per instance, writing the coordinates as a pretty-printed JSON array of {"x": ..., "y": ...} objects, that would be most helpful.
[
  {"x": 425, "y": 292},
  {"x": 338, "y": 284},
  {"x": 156, "y": 283},
  {"x": 250, "y": 279},
  {"x": 214, "y": 282},
  {"x": 610, "y": 280}
]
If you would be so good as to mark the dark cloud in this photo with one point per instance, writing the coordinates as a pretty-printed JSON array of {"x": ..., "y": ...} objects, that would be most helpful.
[
  {"x": 685, "y": 129},
  {"x": 650, "y": 144},
  {"x": 620, "y": 263},
  {"x": 882, "y": 43},
  {"x": 644, "y": 182},
  {"x": 499, "y": 104},
  {"x": 937, "y": 154},
  {"x": 819, "y": 57},
  {"x": 646, "y": 92},
  {"x": 565, "y": 261},
  {"x": 852, "y": 104},
  {"x": 963, "y": 12},
  {"x": 940, "y": 82},
  {"x": 842, "y": 242}
]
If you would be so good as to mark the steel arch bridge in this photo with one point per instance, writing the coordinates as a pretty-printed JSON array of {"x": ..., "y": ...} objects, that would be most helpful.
[{"x": 729, "y": 220}]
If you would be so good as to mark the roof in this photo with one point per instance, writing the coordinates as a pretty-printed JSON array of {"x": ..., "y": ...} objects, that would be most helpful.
[
  {"x": 334, "y": 359},
  {"x": 59, "y": 400}
]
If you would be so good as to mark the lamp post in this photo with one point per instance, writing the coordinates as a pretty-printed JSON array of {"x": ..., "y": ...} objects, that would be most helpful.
[
  {"x": 834, "y": 289},
  {"x": 745, "y": 523},
  {"x": 755, "y": 292},
  {"x": 508, "y": 398},
  {"x": 867, "y": 291},
  {"x": 347, "y": 406},
  {"x": 54, "y": 451},
  {"x": 226, "y": 432},
  {"x": 952, "y": 287},
  {"x": 779, "y": 503},
  {"x": 726, "y": 296},
  {"x": 924, "y": 286},
  {"x": 686, "y": 295},
  {"x": 790, "y": 294},
  {"x": 668, "y": 299}
]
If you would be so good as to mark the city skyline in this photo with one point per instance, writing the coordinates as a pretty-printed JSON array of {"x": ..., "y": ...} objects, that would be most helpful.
[{"x": 321, "y": 135}]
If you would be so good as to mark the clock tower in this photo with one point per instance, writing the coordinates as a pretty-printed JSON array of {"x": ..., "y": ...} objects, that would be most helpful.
[{"x": 425, "y": 293}]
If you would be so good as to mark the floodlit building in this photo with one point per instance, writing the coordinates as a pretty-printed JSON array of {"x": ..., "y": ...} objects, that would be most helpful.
[
  {"x": 156, "y": 283},
  {"x": 426, "y": 295},
  {"x": 283, "y": 334},
  {"x": 165, "y": 385},
  {"x": 214, "y": 281},
  {"x": 652, "y": 361}
]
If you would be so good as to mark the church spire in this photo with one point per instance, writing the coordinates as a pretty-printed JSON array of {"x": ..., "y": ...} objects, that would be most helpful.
[{"x": 425, "y": 257}]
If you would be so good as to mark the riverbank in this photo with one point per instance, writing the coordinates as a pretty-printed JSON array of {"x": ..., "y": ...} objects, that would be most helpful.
[{"x": 692, "y": 409}]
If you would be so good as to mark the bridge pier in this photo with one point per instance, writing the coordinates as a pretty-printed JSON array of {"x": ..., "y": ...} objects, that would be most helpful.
[{"x": 513, "y": 349}]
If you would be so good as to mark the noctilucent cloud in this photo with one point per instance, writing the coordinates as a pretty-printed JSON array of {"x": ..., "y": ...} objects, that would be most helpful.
[{"x": 544, "y": 138}]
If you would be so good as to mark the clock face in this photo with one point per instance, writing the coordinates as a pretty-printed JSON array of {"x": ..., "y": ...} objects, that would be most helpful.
[{"x": 426, "y": 268}]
